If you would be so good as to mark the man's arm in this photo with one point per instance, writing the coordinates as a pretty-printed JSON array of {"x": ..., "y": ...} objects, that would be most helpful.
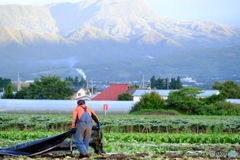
[{"x": 95, "y": 117}]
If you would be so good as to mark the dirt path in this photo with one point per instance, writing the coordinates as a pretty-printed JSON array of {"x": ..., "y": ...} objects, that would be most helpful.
[{"x": 197, "y": 154}]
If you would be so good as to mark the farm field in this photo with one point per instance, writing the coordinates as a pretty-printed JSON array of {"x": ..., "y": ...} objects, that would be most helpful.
[{"x": 135, "y": 137}]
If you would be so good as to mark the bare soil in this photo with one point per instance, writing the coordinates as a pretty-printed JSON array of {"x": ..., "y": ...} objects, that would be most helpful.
[{"x": 197, "y": 153}]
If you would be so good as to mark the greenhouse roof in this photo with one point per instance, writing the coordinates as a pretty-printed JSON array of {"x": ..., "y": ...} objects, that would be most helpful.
[
  {"x": 208, "y": 93},
  {"x": 165, "y": 93},
  {"x": 17, "y": 104},
  {"x": 236, "y": 101}
]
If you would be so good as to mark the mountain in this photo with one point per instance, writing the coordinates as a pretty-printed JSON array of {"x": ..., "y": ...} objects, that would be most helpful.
[
  {"x": 204, "y": 65},
  {"x": 27, "y": 18},
  {"x": 51, "y": 39}
]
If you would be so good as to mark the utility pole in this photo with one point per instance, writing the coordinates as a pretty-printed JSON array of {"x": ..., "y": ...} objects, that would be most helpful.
[
  {"x": 19, "y": 83},
  {"x": 141, "y": 86},
  {"x": 150, "y": 85},
  {"x": 87, "y": 84},
  {"x": 167, "y": 83},
  {"x": 143, "y": 81},
  {"x": 92, "y": 86},
  {"x": 167, "y": 77}
]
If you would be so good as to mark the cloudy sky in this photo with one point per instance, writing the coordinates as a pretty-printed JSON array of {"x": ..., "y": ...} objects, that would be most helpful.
[{"x": 222, "y": 11}]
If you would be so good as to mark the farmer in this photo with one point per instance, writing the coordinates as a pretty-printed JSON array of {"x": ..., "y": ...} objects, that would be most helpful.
[{"x": 82, "y": 124}]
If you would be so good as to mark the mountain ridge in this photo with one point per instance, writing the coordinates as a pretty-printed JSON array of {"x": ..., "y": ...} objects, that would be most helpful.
[
  {"x": 99, "y": 31},
  {"x": 137, "y": 22}
]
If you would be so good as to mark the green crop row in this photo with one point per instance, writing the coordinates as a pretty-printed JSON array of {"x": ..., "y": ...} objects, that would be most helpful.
[
  {"x": 127, "y": 123},
  {"x": 133, "y": 138},
  {"x": 27, "y": 135},
  {"x": 134, "y": 143},
  {"x": 159, "y": 138}
]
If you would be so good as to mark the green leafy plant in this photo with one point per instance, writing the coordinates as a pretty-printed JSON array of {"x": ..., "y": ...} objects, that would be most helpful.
[{"x": 149, "y": 101}]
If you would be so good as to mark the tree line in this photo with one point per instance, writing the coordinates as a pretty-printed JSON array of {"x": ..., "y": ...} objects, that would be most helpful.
[
  {"x": 44, "y": 88},
  {"x": 76, "y": 82},
  {"x": 3, "y": 83},
  {"x": 164, "y": 83},
  {"x": 184, "y": 101},
  {"x": 55, "y": 88}
]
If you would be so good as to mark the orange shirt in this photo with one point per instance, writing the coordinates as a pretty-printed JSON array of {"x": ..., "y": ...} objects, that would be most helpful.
[{"x": 77, "y": 113}]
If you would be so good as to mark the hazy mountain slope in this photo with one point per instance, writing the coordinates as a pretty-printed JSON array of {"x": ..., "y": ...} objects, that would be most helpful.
[
  {"x": 202, "y": 64},
  {"x": 210, "y": 33},
  {"x": 121, "y": 18},
  {"x": 8, "y": 35},
  {"x": 133, "y": 19},
  {"x": 210, "y": 64},
  {"x": 27, "y": 18},
  {"x": 49, "y": 38},
  {"x": 89, "y": 33},
  {"x": 124, "y": 18},
  {"x": 158, "y": 39},
  {"x": 16, "y": 45}
]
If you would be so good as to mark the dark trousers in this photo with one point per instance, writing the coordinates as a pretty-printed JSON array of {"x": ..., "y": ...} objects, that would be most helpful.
[{"x": 83, "y": 137}]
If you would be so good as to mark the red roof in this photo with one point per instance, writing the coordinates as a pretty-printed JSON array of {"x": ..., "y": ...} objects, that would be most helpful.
[{"x": 111, "y": 93}]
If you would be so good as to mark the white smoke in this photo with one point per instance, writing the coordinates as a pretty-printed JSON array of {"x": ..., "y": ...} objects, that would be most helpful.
[{"x": 80, "y": 71}]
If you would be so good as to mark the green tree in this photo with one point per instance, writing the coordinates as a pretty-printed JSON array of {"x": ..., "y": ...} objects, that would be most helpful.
[
  {"x": 153, "y": 82},
  {"x": 125, "y": 97},
  {"x": 69, "y": 79},
  {"x": 134, "y": 86},
  {"x": 160, "y": 83},
  {"x": 49, "y": 88},
  {"x": 173, "y": 84},
  {"x": 230, "y": 88},
  {"x": 83, "y": 82},
  {"x": 214, "y": 98},
  {"x": 219, "y": 108},
  {"x": 178, "y": 83},
  {"x": 166, "y": 83},
  {"x": 163, "y": 83},
  {"x": 4, "y": 83},
  {"x": 76, "y": 81},
  {"x": 149, "y": 101},
  {"x": 228, "y": 108},
  {"x": 8, "y": 92},
  {"x": 21, "y": 94},
  {"x": 184, "y": 100}
]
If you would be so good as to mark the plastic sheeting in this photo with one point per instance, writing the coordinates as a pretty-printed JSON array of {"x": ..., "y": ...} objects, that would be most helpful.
[
  {"x": 54, "y": 144},
  {"x": 15, "y": 104},
  {"x": 36, "y": 147}
]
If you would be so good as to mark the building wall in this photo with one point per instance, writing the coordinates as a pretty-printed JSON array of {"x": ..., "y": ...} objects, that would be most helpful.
[
  {"x": 82, "y": 92},
  {"x": 137, "y": 98},
  {"x": 97, "y": 93}
]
